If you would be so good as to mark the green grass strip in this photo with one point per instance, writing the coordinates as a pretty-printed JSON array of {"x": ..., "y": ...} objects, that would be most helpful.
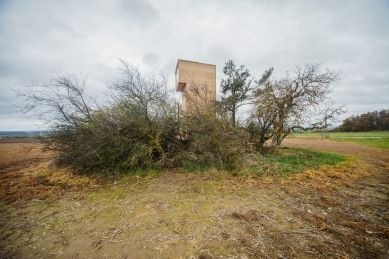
[
  {"x": 366, "y": 141},
  {"x": 289, "y": 161}
]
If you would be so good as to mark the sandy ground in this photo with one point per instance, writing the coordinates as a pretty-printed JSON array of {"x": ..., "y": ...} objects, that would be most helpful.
[{"x": 334, "y": 212}]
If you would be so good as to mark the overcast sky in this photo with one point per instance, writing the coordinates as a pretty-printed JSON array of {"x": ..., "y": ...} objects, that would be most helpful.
[{"x": 40, "y": 40}]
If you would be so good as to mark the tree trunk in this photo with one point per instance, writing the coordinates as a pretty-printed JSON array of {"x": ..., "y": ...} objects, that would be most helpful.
[
  {"x": 275, "y": 144},
  {"x": 276, "y": 140},
  {"x": 233, "y": 115}
]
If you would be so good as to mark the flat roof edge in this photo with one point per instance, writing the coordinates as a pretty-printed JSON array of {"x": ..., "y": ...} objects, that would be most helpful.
[{"x": 194, "y": 62}]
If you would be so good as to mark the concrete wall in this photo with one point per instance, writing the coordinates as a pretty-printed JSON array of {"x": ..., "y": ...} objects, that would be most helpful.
[{"x": 192, "y": 76}]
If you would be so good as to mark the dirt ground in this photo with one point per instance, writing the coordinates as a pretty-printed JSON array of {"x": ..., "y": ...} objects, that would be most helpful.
[
  {"x": 377, "y": 157},
  {"x": 334, "y": 212},
  {"x": 23, "y": 171}
]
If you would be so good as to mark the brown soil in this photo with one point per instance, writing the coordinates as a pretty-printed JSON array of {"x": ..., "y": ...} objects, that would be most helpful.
[
  {"x": 27, "y": 173},
  {"x": 334, "y": 212}
]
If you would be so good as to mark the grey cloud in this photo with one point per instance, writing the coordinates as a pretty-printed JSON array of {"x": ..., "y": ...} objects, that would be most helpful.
[
  {"x": 150, "y": 58},
  {"x": 40, "y": 40},
  {"x": 9, "y": 109},
  {"x": 169, "y": 68},
  {"x": 141, "y": 11},
  {"x": 9, "y": 103},
  {"x": 220, "y": 54},
  {"x": 362, "y": 96}
]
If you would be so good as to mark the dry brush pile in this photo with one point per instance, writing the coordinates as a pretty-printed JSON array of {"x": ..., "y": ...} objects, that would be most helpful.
[{"x": 138, "y": 127}]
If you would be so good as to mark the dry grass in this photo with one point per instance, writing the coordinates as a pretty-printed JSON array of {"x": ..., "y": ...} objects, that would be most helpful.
[{"x": 337, "y": 211}]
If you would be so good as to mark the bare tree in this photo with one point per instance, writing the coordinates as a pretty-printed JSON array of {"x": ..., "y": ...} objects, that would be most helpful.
[
  {"x": 67, "y": 112},
  {"x": 146, "y": 92},
  {"x": 259, "y": 125},
  {"x": 63, "y": 101},
  {"x": 298, "y": 101}
]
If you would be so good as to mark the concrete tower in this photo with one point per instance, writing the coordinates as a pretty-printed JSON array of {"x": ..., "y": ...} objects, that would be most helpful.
[{"x": 192, "y": 76}]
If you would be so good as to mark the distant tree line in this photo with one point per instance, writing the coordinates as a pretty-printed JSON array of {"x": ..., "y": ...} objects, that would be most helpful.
[{"x": 376, "y": 120}]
